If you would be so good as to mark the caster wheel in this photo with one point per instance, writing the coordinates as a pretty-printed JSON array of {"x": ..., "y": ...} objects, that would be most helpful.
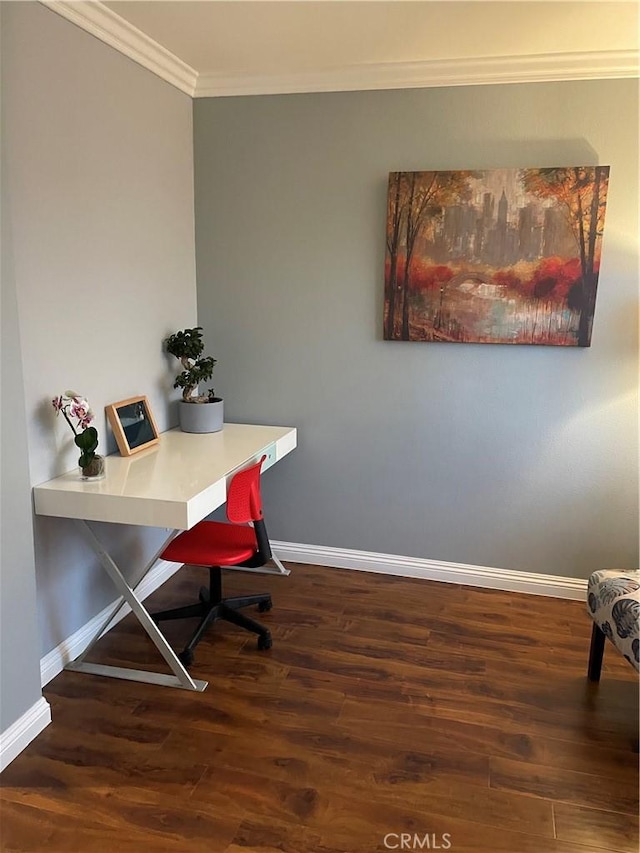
[
  {"x": 264, "y": 606},
  {"x": 264, "y": 642},
  {"x": 186, "y": 657}
]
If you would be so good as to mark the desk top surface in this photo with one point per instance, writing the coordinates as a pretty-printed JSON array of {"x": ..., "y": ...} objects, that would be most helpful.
[{"x": 174, "y": 484}]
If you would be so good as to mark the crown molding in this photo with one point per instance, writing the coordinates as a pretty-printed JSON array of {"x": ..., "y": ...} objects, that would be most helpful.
[
  {"x": 98, "y": 20},
  {"x": 410, "y": 75},
  {"x": 106, "y": 25}
]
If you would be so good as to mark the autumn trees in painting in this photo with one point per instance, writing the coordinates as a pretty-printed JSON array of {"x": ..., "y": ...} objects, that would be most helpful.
[{"x": 500, "y": 256}]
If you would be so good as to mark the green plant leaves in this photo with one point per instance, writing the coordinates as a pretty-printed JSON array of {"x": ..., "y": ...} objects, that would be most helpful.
[
  {"x": 187, "y": 347},
  {"x": 87, "y": 441},
  {"x": 186, "y": 344}
]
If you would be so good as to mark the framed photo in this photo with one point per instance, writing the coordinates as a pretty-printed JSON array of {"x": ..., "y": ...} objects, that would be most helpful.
[{"x": 133, "y": 425}]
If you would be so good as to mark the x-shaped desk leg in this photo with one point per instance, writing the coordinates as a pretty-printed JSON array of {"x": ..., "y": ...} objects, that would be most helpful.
[{"x": 180, "y": 677}]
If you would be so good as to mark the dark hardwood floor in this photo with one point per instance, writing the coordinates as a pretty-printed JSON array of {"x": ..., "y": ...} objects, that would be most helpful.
[{"x": 456, "y": 716}]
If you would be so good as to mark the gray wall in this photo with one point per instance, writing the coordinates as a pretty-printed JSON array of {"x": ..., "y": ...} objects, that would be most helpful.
[
  {"x": 100, "y": 175},
  {"x": 19, "y": 640},
  {"x": 505, "y": 456}
]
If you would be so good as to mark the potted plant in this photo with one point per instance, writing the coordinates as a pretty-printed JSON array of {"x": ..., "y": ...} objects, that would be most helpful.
[
  {"x": 75, "y": 408},
  {"x": 198, "y": 412}
]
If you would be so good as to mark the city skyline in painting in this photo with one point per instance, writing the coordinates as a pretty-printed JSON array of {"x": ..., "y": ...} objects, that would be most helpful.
[{"x": 496, "y": 256}]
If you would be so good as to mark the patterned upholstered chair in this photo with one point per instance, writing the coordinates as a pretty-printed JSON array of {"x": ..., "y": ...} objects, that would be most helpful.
[{"x": 613, "y": 602}]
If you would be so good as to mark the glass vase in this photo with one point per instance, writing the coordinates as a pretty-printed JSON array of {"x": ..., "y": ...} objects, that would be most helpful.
[{"x": 94, "y": 470}]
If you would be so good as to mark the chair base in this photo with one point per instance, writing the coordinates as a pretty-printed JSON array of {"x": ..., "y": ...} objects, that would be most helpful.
[
  {"x": 212, "y": 607},
  {"x": 596, "y": 652}
]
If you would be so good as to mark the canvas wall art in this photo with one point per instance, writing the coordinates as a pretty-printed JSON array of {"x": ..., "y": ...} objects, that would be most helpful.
[{"x": 501, "y": 256}]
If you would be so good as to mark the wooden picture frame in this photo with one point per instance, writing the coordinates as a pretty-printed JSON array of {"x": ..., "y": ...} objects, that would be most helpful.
[{"x": 133, "y": 425}]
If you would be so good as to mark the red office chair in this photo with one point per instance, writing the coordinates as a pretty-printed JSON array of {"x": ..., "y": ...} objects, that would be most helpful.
[{"x": 216, "y": 545}]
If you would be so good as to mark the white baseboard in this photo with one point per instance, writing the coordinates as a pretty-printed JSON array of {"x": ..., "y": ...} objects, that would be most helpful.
[
  {"x": 509, "y": 580},
  {"x": 20, "y": 734},
  {"x": 66, "y": 651}
]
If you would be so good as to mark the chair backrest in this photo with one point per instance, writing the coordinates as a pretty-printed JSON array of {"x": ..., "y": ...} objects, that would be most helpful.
[{"x": 244, "y": 503}]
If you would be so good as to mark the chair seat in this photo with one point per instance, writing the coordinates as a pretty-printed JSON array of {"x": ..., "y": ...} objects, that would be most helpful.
[
  {"x": 613, "y": 598},
  {"x": 212, "y": 543}
]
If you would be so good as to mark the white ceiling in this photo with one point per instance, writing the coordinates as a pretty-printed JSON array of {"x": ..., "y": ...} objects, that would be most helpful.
[{"x": 220, "y": 47}]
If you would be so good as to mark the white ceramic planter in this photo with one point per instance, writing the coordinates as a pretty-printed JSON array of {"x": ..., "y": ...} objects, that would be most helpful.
[{"x": 201, "y": 417}]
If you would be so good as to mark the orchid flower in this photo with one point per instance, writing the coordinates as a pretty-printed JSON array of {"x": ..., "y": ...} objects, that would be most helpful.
[{"x": 74, "y": 407}]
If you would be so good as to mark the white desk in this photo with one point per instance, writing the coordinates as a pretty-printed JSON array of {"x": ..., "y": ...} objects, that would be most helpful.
[{"x": 174, "y": 484}]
